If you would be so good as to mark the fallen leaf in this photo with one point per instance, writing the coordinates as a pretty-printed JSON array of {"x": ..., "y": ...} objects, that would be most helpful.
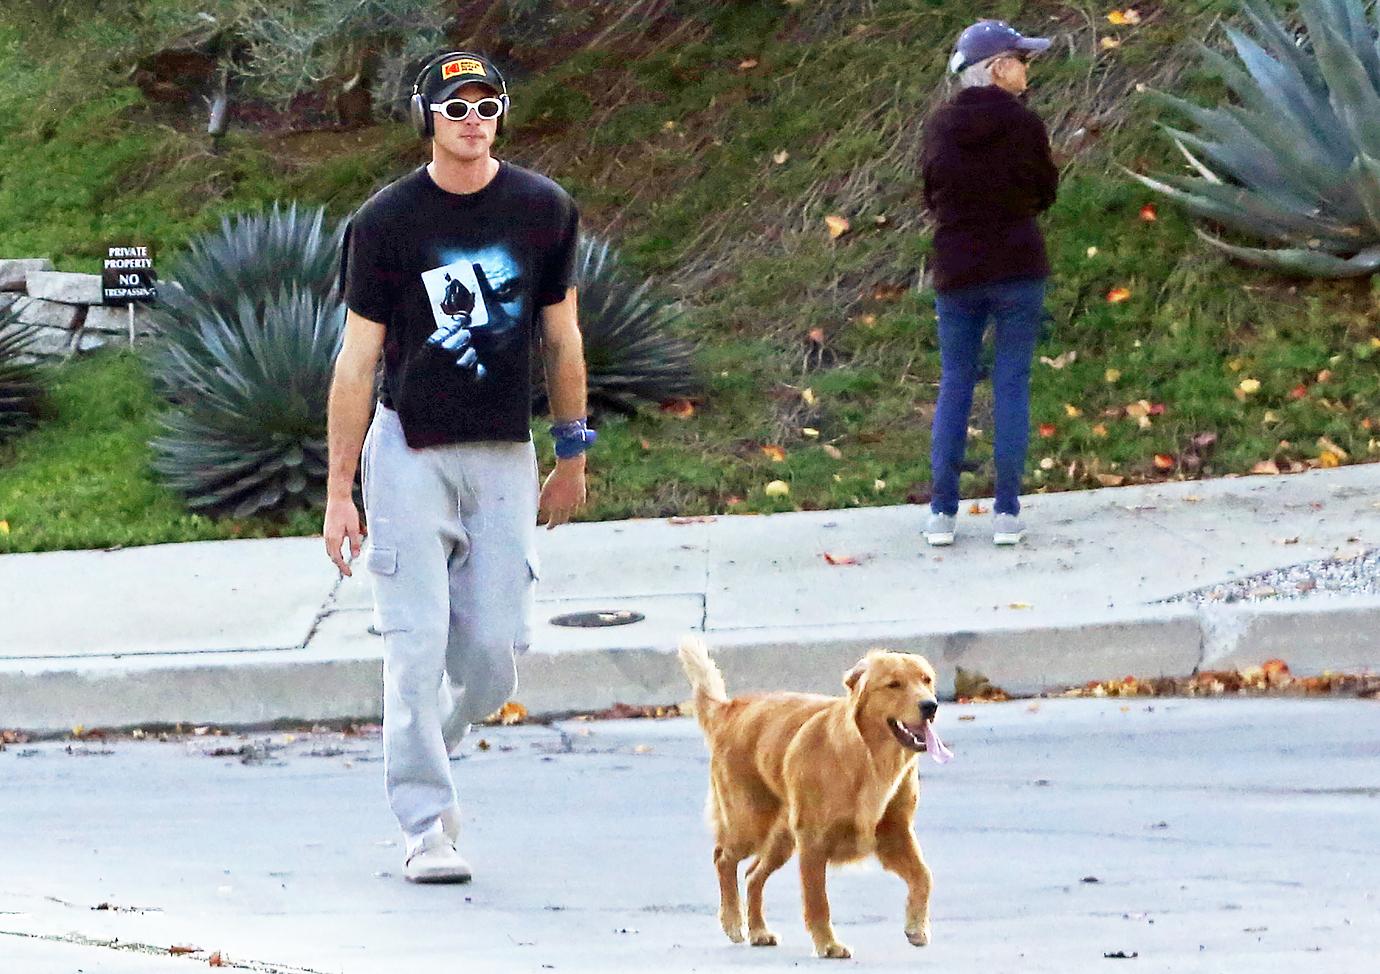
[
  {"x": 1164, "y": 462},
  {"x": 1270, "y": 417},
  {"x": 1325, "y": 375},
  {"x": 878, "y": 486},
  {"x": 215, "y": 960},
  {"x": 682, "y": 519},
  {"x": 1099, "y": 431},
  {"x": 834, "y": 559},
  {"x": 880, "y": 220},
  {"x": 777, "y": 488},
  {"x": 482, "y": 745},
  {"x": 178, "y": 951},
  {"x": 1148, "y": 214},
  {"x": 643, "y": 749},
  {"x": 1072, "y": 411},
  {"x": 1061, "y": 360},
  {"x": 511, "y": 713},
  {"x": 679, "y": 408},
  {"x": 732, "y": 500},
  {"x": 1265, "y": 467},
  {"x": 780, "y": 157},
  {"x": 1118, "y": 294},
  {"x": 807, "y": 395},
  {"x": 810, "y": 432},
  {"x": 1327, "y": 459},
  {"x": 774, "y": 453},
  {"x": 4, "y": 527},
  {"x": 1248, "y": 387},
  {"x": 1110, "y": 43},
  {"x": 1047, "y": 463},
  {"x": 832, "y": 451},
  {"x": 1298, "y": 392},
  {"x": 1092, "y": 252},
  {"x": 816, "y": 335},
  {"x": 975, "y": 508},
  {"x": 1047, "y": 430},
  {"x": 1328, "y": 446},
  {"x": 869, "y": 321},
  {"x": 1124, "y": 18},
  {"x": 838, "y": 225},
  {"x": 1112, "y": 376},
  {"x": 747, "y": 64},
  {"x": 1021, "y": 605},
  {"x": 1110, "y": 479},
  {"x": 1143, "y": 422},
  {"x": 1137, "y": 410}
]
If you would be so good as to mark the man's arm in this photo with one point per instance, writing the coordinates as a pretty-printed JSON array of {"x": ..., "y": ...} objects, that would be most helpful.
[
  {"x": 563, "y": 352},
  {"x": 350, "y": 409}
]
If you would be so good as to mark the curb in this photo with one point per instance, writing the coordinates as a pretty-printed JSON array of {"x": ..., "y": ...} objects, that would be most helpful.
[{"x": 1323, "y": 633}]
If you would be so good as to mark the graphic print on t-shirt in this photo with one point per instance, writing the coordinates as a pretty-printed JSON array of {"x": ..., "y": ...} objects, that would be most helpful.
[{"x": 477, "y": 304}]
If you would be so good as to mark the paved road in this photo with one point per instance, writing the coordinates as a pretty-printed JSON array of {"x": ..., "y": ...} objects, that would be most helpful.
[{"x": 1224, "y": 836}]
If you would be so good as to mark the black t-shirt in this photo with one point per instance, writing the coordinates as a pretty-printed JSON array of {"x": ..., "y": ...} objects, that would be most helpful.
[{"x": 459, "y": 281}]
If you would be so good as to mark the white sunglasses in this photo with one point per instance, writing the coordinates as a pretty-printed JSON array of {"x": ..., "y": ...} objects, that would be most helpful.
[{"x": 457, "y": 109}]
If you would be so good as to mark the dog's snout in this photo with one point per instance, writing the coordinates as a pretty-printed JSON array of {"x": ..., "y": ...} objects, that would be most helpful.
[{"x": 928, "y": 709}]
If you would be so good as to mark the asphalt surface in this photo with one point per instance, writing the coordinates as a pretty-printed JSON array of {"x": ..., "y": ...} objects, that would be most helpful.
[{"x": 1189, "y": 835}]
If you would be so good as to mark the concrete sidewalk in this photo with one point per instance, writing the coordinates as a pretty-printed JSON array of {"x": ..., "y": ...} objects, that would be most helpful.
[{"x": 245, "y": 632}]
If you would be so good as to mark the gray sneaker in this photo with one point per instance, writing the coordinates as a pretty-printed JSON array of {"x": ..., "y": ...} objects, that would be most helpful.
[
  {"x": 1007, "y": 529},
  {"x": 939, "y": 530}
]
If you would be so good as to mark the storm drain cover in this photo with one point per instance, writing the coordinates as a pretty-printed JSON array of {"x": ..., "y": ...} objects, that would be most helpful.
[{"x": 598, "y": 619}]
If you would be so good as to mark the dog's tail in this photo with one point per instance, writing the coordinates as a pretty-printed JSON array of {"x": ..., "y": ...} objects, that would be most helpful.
[{"x": 704, "y": 677}]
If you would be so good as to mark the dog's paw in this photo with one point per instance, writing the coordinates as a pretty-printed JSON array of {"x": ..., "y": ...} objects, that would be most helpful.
[
  {"x": 832, "y": 951},
  {"x": 919, "y": 935},
  {"x": 733, "y": 927},
  {"x": 763, "y": 938}
]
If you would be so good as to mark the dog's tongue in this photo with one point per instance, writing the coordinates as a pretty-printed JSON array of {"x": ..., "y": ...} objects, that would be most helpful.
[{"x": 936, "y": 748}]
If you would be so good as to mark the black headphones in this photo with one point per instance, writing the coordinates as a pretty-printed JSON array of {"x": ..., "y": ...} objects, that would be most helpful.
[{"x": 419, "y": 106}]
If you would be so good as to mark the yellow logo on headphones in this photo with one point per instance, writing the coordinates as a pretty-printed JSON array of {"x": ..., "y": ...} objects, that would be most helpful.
[{"x": 464, "y": 65}]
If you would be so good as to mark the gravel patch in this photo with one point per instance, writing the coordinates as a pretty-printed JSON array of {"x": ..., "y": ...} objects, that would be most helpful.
[{"x": 1355, "y": 575}]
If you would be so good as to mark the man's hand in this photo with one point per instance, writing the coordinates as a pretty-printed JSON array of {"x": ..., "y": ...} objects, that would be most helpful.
[
  {"x": 342, "y": 521},
  {"x": 563, "y": 493}
]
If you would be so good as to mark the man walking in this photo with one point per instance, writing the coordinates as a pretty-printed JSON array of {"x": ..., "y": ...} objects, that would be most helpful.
[
  {"x": 988, "y": 173},
  {"x": 453, "y": 272}
]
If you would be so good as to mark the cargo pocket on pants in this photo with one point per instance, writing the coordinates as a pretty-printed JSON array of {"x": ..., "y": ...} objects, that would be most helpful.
[
  {"x": 527, "y": 606},
  {"x": 390, "y": 611}
]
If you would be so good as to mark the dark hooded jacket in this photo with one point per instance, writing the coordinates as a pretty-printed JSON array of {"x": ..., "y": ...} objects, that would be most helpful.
[{"x": 987, "y": 172}]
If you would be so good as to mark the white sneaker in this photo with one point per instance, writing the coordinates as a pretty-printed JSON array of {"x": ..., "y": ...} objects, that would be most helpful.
[
  {"x": 436, "y": 861},
  {"x": 1007, "y": 529},
  {"x": 939, "y": 529}
]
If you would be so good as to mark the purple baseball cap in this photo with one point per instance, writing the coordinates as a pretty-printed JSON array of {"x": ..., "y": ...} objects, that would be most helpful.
[{"x": 988, "y": 38}]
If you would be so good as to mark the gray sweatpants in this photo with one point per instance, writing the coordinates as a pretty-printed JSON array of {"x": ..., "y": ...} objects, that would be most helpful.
[{"x": 453, "y": 564}]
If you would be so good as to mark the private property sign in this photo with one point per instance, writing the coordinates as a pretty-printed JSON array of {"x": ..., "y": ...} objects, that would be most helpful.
[{"x": 128, "y": 276}]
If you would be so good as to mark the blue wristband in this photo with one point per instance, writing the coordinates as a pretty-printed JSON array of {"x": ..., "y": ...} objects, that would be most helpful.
[{"x": 572, "y": 438}]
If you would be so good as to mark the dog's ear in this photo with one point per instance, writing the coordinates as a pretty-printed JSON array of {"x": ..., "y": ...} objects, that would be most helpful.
[{"x": 854, "y": 676}]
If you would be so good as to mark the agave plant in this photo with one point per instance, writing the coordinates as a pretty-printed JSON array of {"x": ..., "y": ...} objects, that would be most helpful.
[
  {"x": 20, "y": 390},
  {"x": 632, "y": 354},
  {"x": 259, "y": 255},
  {"x": 250, "y": 435},
  {"x": 1297, "y": 161}
]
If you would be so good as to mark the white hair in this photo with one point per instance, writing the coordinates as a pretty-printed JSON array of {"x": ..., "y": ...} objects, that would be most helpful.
[{"x": 978, "y": 75}]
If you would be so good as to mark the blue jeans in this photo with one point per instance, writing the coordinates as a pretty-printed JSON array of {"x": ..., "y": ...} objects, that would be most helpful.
[{"x": 1017, "y": 307}]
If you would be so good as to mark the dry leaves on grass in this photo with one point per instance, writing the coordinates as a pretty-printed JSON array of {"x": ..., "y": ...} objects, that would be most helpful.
[
  {"x": 970, "y": 686},
  {"x": 838, "y": 225},
  {"x": 678, "y": 408}
]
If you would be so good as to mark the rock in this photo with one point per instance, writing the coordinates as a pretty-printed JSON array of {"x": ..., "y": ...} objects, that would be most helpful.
[
  {"x": 14, "y": 271},
  {"x": 50, "y": 342},
  {"x": 7, "y": 299},
  {"x": 50, "y": 314},
  {"x": 90, "y": 340},
  {"x": 114, "y": 319},
  {"x": 64, "y": 287}
]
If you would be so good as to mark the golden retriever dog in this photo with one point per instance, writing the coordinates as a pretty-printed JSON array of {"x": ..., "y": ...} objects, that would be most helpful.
[{"x": 832, "y": 778}]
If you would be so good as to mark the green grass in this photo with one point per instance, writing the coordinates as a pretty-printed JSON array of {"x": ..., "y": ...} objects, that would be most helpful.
[
  {"x": 82, "y": 480},
  {"x": 740, "y": 238}
]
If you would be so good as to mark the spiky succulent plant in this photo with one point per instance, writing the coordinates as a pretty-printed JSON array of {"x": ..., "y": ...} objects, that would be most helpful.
[
  {"x": 20, "y": 390},
  {"x": 1296, "y": 161},
  {"x": 254, "y": 254},
  {"x": 632, "y": 353},
  {"x": 249, "y": 434}
]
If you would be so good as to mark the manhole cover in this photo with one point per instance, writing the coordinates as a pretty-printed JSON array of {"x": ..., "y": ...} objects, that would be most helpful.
[{"x": 598, "y": 619}]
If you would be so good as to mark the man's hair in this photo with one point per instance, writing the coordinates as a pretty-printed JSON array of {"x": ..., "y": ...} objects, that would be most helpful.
[{"x": 978, "y": 75}]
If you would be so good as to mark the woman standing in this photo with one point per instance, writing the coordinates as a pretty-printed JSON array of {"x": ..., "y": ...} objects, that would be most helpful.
[{"x": 987, "y": 172}]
